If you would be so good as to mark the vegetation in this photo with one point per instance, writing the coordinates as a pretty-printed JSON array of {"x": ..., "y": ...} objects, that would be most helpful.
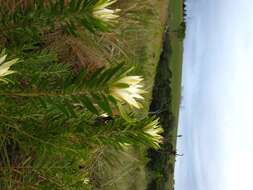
[
  {"x": 76, "y": 85},
  {"x": 69, "y": 106},
  {"x": 166, "y": 100}
]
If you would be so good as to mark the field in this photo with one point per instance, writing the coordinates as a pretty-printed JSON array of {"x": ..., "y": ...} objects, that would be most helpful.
[
  {"x": 157, "y": 55},
  {"x": 176, "y": 18},
  {"x": 166, "y": 99},
  {"x": 143, "y": 36}
]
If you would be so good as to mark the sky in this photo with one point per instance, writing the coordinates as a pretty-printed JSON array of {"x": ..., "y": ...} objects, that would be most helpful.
[{"x": 216, "y": 117}]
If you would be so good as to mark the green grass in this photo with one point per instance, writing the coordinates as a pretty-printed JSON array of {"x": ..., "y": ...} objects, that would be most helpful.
[
  {"x": 166, "y": 98},
  {"x": 175, "y": 19}
]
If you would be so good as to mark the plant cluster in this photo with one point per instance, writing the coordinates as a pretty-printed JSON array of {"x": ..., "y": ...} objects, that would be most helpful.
[{"x": 57, "y": 116}]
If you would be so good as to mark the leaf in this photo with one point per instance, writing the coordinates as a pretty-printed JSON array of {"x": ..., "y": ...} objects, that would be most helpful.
[
  {"x": 88, "y": 104},
  {"x": 80, "y": 78},
  {"x": 93, "y": 81},
  {"x": 124, "y": 114},
  {"x": 70, "y": 109},
  {"x": 103, "y": 103},
  {"x": 63, "y": 109},
  {"x": 109, "y": 74}
]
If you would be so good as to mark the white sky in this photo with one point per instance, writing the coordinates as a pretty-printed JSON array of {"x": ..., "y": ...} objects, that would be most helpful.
[{"x": 216, "y": 118}]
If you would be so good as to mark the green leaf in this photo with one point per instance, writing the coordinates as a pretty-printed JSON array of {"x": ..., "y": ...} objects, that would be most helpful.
[
  {"x": 109, "y": 74},
  {"x": 124, "y": 114},
  {"x": 62, "y": 108},
  {"x": 93, "y": 81},
  {"x": 88, "y": 104},
  {"x": 103, "y": 103}
]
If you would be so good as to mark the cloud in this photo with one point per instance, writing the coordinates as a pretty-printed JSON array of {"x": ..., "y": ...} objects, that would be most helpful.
[{"x": 216, "y": 116}]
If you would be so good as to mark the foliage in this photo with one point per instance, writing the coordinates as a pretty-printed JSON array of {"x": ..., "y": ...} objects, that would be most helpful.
[
  {"x": 56, "y": 116},
  {"x": 55, "y": 14},
  {"x": 181, "y": 30}
]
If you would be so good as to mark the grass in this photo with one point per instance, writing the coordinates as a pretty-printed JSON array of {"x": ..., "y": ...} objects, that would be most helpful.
[
  {"x": 144, "y": 40},
  {"x": 142, "y": 37},
  {"x": 166, "y": 99},
  {"x": 175, "y": 19}
]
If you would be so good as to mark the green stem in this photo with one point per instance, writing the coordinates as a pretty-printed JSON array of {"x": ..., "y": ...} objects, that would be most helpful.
[{"x": 39, "y": 94}]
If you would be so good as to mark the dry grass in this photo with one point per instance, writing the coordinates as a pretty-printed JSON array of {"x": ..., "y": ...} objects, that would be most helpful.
[
  {"x": 90, "y": 51},
  {"x": 76, "y": 52}
]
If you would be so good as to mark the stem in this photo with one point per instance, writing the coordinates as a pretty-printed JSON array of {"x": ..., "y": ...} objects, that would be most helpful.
[{"x": 39, "y": 94}]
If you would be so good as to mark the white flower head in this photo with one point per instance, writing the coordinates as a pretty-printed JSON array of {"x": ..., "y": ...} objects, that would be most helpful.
[
  {"x": 154, "y": 130},
  {"x": 5, "y": 68},
  {"x": 86, "y": 181},
  {"x": 103, "y": 13},
  {"x": 129, "y": 90}
]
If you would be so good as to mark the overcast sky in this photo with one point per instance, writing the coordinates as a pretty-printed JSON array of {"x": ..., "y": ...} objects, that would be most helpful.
[{"x": 216, "y": 118}]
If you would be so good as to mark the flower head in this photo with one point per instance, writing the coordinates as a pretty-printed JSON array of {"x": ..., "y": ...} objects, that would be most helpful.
[
  {"x": 101, "y": 11},
  {"x": 128, "y": 89},
  {"x": 154, "y": 130},
  {"x": 5, "y": 68}
]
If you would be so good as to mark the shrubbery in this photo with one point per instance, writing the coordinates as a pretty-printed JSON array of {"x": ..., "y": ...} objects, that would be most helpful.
[{"x": 59, "y": 113}]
